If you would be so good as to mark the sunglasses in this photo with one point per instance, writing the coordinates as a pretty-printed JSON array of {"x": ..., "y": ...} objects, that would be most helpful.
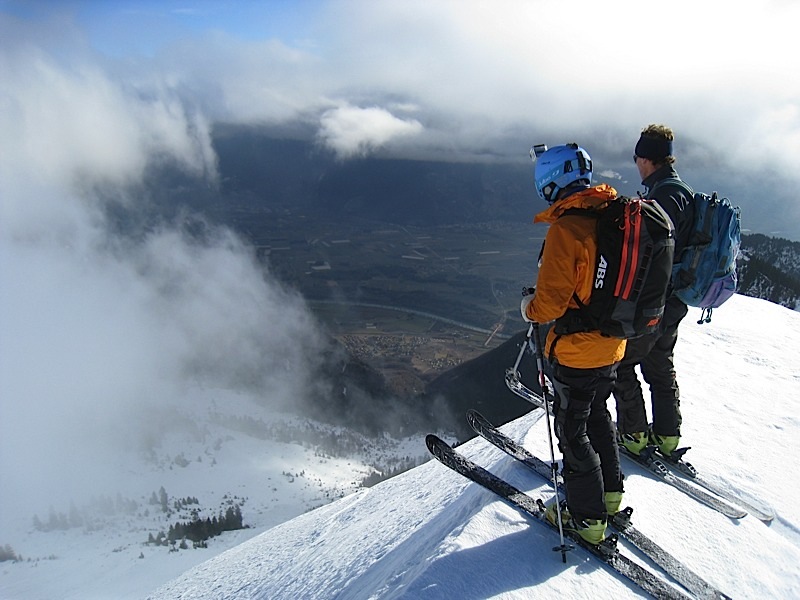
[{"x": 635, "y": 158}]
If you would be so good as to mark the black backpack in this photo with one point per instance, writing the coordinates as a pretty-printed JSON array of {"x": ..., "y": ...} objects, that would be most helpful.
[{"x": 635, "y": 248}]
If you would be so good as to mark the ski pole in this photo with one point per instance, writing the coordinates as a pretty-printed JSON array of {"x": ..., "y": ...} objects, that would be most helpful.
[
  {"x": 522, "y": 349},
  {"x": 553, "y": 465}
]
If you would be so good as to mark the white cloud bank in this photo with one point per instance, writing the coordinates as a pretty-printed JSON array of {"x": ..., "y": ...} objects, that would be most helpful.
[
  {"x": 490, "y": 79},
  {"x": 352, "y": 131},
  {"x": 482, "y": 76},
  {"x": 101, "y": 336}
]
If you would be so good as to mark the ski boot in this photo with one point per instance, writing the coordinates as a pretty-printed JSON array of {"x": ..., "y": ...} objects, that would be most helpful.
[
  {"x": 667, "y": 444},
  {"x": 592, "y": 531},
  {"x": 634, "y": 442},
  {"x": 613, "y": 502}
]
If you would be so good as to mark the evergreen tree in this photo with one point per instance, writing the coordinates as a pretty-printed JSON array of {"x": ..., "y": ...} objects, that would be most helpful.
[
  {"x": 75, "y": 517},
  {"x": 7, "y": 553}
]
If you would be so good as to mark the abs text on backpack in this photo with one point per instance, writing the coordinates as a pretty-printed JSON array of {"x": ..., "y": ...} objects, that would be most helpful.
[
  {"x": 705, "y": 274},
  {"x": 635, "y": 249}
]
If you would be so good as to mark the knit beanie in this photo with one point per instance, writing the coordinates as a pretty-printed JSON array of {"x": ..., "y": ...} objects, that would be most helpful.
[{"x": 653, "y": 148}]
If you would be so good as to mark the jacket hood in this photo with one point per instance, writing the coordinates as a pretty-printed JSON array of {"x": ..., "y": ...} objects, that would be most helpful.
[{"x": 588, "y": 198}]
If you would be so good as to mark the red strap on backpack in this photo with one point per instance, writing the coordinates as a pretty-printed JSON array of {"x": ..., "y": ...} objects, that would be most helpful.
[{"x": 631, "y": 227}]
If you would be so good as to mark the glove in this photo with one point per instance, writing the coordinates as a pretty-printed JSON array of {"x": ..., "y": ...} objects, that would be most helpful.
[{"x": 527, "y": 298}]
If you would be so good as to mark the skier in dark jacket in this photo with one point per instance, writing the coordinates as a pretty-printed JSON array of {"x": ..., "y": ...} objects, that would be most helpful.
[{"x": 654, "y": 353}]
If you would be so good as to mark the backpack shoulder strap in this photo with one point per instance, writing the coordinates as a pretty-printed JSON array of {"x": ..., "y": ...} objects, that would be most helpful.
[
  {"x": 586, "y": 212},
  {"x": 672, "y": 181},
  {"x": 590, "y": 211}
]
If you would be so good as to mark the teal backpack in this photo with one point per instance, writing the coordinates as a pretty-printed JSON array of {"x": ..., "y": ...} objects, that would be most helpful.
[{"x": 705, "y": 273}]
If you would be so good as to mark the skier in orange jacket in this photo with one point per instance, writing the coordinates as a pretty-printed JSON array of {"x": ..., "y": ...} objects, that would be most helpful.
[{"x": 583, "y": 365}]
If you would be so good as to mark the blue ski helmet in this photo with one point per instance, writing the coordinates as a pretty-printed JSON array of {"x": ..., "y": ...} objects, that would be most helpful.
[{"x": 560, "y": 166}]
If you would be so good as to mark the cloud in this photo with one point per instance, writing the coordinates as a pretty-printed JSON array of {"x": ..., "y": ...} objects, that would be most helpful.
[
  {"x": 609, "y": 174},
  {"x": 68, "y": 126},
  {"x": 352, "y": 131},
  {"x": 101, "y": 333},
  {"x": 489, "y": 79},
  {"x": 103, "y": 337}
]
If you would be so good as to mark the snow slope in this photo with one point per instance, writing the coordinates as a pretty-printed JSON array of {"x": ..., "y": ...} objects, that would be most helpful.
[
  {"x": 214, "y": 461},
  {"x": 430, "y": 534}
]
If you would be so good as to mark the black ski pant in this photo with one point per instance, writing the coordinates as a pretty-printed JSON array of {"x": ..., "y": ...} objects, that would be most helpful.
[
  {"x": 586, "y": 437},
  {"x": 654, "y": 354}
]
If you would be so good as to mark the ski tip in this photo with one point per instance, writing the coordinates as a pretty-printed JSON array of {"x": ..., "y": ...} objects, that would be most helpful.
[
  {"x": 432, "y": 441},
  {"x": 763, "y": 514},
  {"x": 761, "y": 511},
  {"x": 473, "y": 417},
  {"x": 766, "y": 519}
]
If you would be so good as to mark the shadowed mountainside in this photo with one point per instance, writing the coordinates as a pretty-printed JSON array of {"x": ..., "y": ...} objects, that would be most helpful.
[{"x": 480, "y": 384}]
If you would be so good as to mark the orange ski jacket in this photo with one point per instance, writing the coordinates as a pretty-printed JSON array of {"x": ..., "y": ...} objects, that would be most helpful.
[{"x": 567, "y": 265}]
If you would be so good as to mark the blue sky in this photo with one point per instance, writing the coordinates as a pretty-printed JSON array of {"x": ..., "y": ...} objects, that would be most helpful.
[
  {"x": 122, "y": 28},
  {"x": 142, "y": 27}
]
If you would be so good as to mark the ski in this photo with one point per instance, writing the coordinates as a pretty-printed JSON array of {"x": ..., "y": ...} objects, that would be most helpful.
[
  {"x": 658, "y": 468},
  {"x": 621, "y": 522},
  {"x": 651, "y": 463},
  {"x": 754, "y": 506},
  {"x": 606, "y": 551},
  {"x": 514, "y": 384}
]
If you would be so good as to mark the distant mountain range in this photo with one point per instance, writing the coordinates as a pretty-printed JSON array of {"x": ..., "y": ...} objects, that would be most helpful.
[
  {"x": 264, "y": 171},
  {"x": 292, "y": 172},
  {"x": 770, "y": 269}
]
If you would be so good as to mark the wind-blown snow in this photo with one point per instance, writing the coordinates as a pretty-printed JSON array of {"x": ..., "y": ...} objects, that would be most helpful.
[{"x": 430, "y": 534}]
